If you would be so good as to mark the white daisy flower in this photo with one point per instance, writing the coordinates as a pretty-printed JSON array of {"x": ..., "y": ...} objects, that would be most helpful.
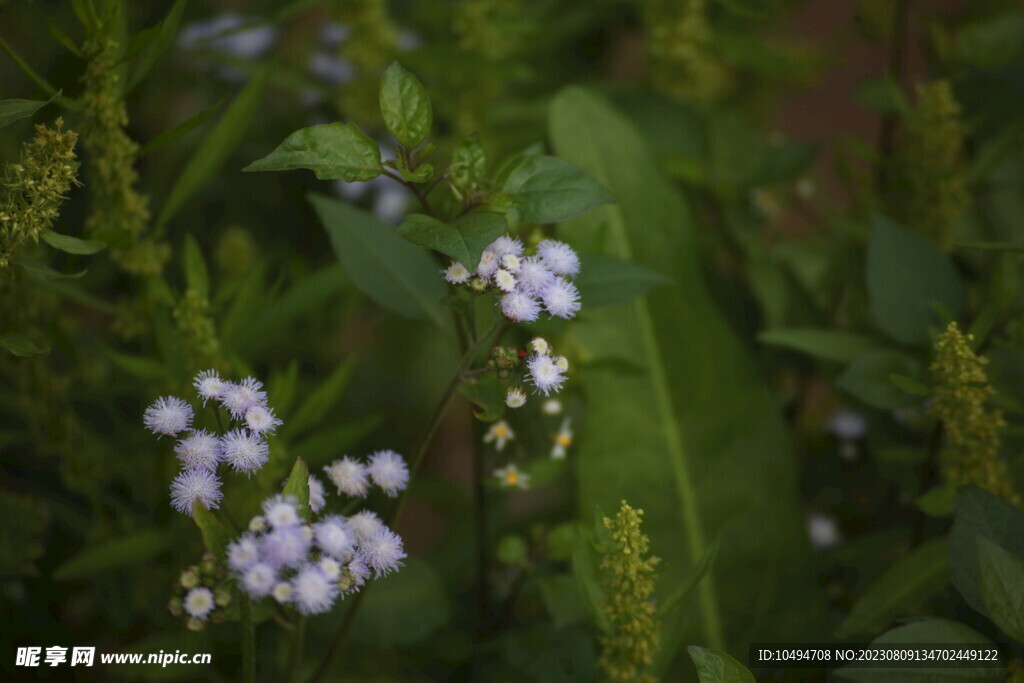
[
  {"x": 499, "y": 434},
  {"x": 510, "y": 477},
  {"x": 563, "y": 439}
]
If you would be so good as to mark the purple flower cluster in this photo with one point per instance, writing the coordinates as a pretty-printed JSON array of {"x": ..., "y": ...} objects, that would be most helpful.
[
  {"x": 352, "y": 477},
  {"x": 244, "y": 448},
  {"x": 309, "y": 566},
  {"x": 527, "y": 285}
]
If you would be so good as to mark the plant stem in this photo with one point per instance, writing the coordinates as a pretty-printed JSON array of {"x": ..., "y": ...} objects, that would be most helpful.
[
  {"x": 424, "y": 202},
  {"x": 435, "y": 421},
  {"x": 295, "y": 656},
  {"x": 248, "y": 638}
]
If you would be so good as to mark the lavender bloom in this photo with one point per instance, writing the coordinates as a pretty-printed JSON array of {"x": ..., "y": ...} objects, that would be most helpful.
[
  {"x": 533, "y": 276},
  {"x": 561, "y": 298},
  {"x": 259, "y": 580},
  {"x": 349, "y": 476},
  {"x": 545, "y": 374},
  {"x": 559, "y": 257},
  {"x": 199, "y": 450},
  {"x": 192, "y": 485},
  {"x": 363, "y": 525},
  {"x": 334, "y": 538},
  {"x": 199, "y": 603},
  {"x": 519, "y": 307},
  {"x": 316, "y": 494},
  {"x": 313, "y": 591},
  {"x": 285, "y": 546},
  {"x": 388, "y": 471},
  {"x": 280, "y": 511},
  {"x": 243, "y": 553},
  {"x": 261, "y": 420},
  {"x": 168, "y": 416},
  {"x": 239, "y": 398},
  {"x": 383, "y": 551},
  {"x": 209, "y": 385},
  {"x": 244, "y": 451}
]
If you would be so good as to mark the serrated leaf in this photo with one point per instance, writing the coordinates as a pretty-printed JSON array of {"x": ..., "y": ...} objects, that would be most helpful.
[
  {"x": 215, "y": 535},
  {"x": 549, "y": 190},
  {"x": 903, "y": 587},
  {"x": 20, "y": 346},
  {"x": 469, "y": 162},
  {"x": 485, "y": 393},
  {"x": 907, "y": 277},
  {"x": 607, "y": 280},
  {"x": 1002, "y": 587},
  {"x": 980, "y": 514},
  {"x": 714, "y": 666},
  {"x": 405, "y": 106},
  {"x": 831, "y": 345},
  {"x": 297, "y": 486},
  {"x": 385, "y": 267},
  {"x": 71, "y": 245},
  {"x": 332, "y": 151},
  {"x": 215, "y": 148},
  {"x": 464, "y": 239},
  {"x": 137, "y": 548}
]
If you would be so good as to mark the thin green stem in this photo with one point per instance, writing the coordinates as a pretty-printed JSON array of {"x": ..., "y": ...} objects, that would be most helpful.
[
  {"x": 245, "y": 621},
  {"x": 295, "y": 656},
  {"x": 341, "y": 634}
]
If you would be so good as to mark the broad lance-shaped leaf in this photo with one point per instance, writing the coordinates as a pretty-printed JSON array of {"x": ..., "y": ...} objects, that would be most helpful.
[
  {"x": 215, "y": 535},
  {"x": 71, "y": 245},
  {"x": 332, "y": 151},
  {"x": 12, "y": 110},
  {"x": 405, "y": 106},
  {"x": 389, "y": 270},
  {"x": 903, "y": 587},
  {"x": 714, "y": 666},
  {"x": 549, "y": 190},
  {"x": 297, "y": 486},
  {"x": 20, "y": 346},
  {"x": 1002, "y": 587},
  {"x": 680, "y": 437},
  {"x": 464, "y": 239}
]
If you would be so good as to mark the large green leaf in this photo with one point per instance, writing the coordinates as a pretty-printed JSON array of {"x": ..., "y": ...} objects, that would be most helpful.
[
  {"x": 714, "y": 666},
  {"x": 12, "y": 110},
  {"x": 980, "y": 514},
  {"x": 332, "y": 151},
  {"x": 606, "y": 280},
  {"x": 1002, "y": 587},
  {"x": 903, "y": 587},
  {"x": 389, "y": 270},
  {"x": 908, "y": 277},
  {"x": 133, "y": 549},
  {"x": 213, "y": 151},
  {"x": 550, "y": 190},
  {"x": 926, "y": 631},
  {"x": 464, "y": 239},
  {"x": 405, "y": 106},
  {"x": 691, "y": 436},
  {"x": 833, "y": 345},
  {"x": 870, "y": 379}
]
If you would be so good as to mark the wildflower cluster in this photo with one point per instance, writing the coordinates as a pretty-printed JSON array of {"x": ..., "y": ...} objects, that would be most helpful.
[
  {"x": 500, "y": 433},
  {"x": 243, "y": 448},
  {"x": 527, "y": 285},
  {"x": 310, "y": 566},
  {"x": 32, "y": 190},
  {"x": 973, "y": 427},
  {"x": 202, "y": 594},
  {"x": 628, "y": 582}
]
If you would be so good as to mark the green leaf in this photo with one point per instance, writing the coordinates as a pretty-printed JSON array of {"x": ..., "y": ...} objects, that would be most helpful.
[
  {"x": 486, "y": 393},
  {"x": 215, "y": 535},
  {"x": 683, "y": 590},
  {"x": 904, "y": 587},
  {"x": 158, "y": 40},
  {"x": 297, "y": 486},
  {"x": 980, "y": 514},
  {"x": 992, "y": 40},
  {"x": 714, "y": 666},
  {"x": 1013, "y": 247},
  {"x": 869, "y": 379},
  {"x": 563, "y": 599},
  {"x": 40, "y": 271},
  {"x": 385, "y": 267},
  {"x": 584, "y": 569},
  {"x": 926, "y": 631},
  {"x": 137, "y": 548},
  {"x": 405, "y": 106},
  {"x": 215, "y": 148},
  {"x": 693, "y": 414},
  {"x": 186, "y": 126},
  {"x": 939, "y": 501},
  {"x": 196, "y": 277},
  {"x": 464, "y": 239},
  {"x": 321, "y": 399},
  {"x": 332, "y": 151},
  {"x": 907, "y": 276},
  {"x": 882, "y": 95},
  {"x": 550, "y": 190},
  {"x": 607, "y": 280},
  {"x": 404, "y": 607},
  {"x": 831, "y": 345},
  {"x": 325, "y": 445},
  {"x": 469, "y": 162},
  {"x": 20, "y": 346},
  {"x": 1002, "y": 587},
  {"x": 71, "y": 245},
  {"x": 13, "y": 110},
  {"x": 66, "y": 41}
]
